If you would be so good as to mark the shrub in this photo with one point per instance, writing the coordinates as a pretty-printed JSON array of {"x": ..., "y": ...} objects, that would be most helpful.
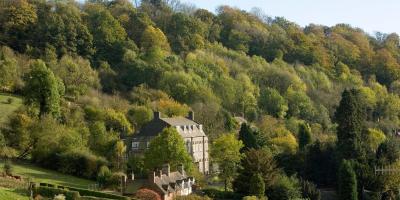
[
  {"x": 284, "y": 188},
  {"x": 8, "y": 168},
  {"x": 347, "y": 182},
  {"x": 10, "y": 100},
  {"x": 104, "y": 176},
  {"x": 310, "y": 191},
  {"x": 51, "y": 192},
  {"x": 147, "y": 194},
  {"x": 80, "y": 163}
]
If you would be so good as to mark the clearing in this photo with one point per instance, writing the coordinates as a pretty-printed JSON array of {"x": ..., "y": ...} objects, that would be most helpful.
[{"x": 38, "y": 174}]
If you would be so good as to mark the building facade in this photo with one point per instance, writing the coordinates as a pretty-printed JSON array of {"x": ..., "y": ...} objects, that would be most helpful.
[{"x": 196, "y": 141}]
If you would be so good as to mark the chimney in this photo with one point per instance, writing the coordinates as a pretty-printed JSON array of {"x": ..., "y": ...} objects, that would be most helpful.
[
  {"x": 166, "y": 169},
  {"x": 191, "y": 115},
  {"x": 181, "y": 169},
  {"x": 156, "y": 115},
  {"x": 152, "y": 177}
]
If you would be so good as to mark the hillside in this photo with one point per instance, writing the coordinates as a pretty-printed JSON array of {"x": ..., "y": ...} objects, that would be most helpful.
[{"x": 321, "y": 103}]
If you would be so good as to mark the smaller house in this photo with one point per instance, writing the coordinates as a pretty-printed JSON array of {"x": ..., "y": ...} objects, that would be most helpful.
[{"x": 170, "y": 184}]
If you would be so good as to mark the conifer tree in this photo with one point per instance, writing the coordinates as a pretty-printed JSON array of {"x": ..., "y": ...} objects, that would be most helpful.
[
  {"x": 349, "y": 116},
  {"x": 347, "y": 182}
]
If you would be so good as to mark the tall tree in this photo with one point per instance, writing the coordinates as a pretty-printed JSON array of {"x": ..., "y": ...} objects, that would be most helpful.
[
  {"x": 248, "y": 137},
  {"x": 349, "y": 116},
  {"x": 225, "y": 152},
  {"x": 43, "y": 89},
  {"x": 256, "y": 162},
  {"x": 304, "y": 135},
  {"x": 347, "y": 182},
  {"x": 167, "y": 147}
]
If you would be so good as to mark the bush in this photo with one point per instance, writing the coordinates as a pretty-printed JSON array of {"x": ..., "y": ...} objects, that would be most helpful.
[
  {"x": 81, "y": 163},
  {"x": 8, "y": 168},
  {"x": 284, "y": 188},
  {"x": 10, "y": 100},
  {"x": 310, "y": 191},
  {"x": 59, "y": 197},
  {"x": 147, "y": 194},
  {"x": 51, "y": 192},
  {"x": 92, "y": 193}
]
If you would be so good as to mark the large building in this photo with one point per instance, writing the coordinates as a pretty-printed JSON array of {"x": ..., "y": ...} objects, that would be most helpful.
[
  {"x": 170, "y": 184},
  {"x": 196, "y": 141}
]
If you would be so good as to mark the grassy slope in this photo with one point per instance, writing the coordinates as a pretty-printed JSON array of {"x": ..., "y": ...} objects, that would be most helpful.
[
  {"x": 5, "y": 108},
  {"x": 48, "y": 176},
  {"x": 12, "y": 194}
]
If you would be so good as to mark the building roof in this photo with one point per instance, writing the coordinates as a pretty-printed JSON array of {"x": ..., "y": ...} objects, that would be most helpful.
[
  {"x": 185, "y": 127},
  {"x": 178, "y": 121},
  {"x": 171, "y": 183}
]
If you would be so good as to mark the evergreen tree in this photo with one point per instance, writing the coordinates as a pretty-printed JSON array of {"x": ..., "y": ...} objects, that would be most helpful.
[
  {"x": 347, "y": 182},
  {"x": 248, "y": 137},
  {"x": 258, "y": 185},
  {"x": 349, "y": 116},
  {"x": 304, "y": 135}
]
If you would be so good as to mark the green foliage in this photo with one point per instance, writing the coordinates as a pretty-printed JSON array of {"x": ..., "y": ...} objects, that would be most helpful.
[
  {"x": 273, "y": 103},
  {"x": 192, "y": 197},
  {"x": 51, "y": 192},
  {"x": 349, "y": 116},
  {"x": 154, "y": 44},
  {"x": 304, "y": 135},
  {"x": 92, "y": 193},
  {"x": 225, "y": 151},
  {"x": 347, "y": 182},
  {"x": 140, "y": 115},
  {"x": 258, "y": 185},
  {"x": 8, "y": 168},
  {"x": 41, "y": 89},
  {"x": 389, "y": 151},
  {"x": 285, "y": 188},
  {"x": 309, "y": 190},
  {"x": 167, "y": 147},
  {"x": 256, "y": 162}
]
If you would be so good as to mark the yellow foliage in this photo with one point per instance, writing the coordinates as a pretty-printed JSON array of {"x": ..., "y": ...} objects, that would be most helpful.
[{"x": 285, "y": 143}]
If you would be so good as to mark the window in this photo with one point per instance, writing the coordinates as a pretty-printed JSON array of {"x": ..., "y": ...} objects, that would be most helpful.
[
  {"x": 135, "y": 145},
  {"x": 147, "y": 144}
]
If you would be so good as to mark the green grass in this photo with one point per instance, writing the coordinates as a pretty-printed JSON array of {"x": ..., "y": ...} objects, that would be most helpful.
[
  {"x": 6, "y": 108},
  {"x": 38, "y": 174},
  {"x": 13, "y": 194}
]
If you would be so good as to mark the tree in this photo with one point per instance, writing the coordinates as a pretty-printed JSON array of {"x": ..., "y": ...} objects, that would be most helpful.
[
  {"x": 255, "y": 162},
  {"x": 258, "y": 185},
  {"x": 248, "y": 137},
  {"x": 167, "y": 147},
  {"x": 347, "y": 182},
  {"x": 108, "y": 34},
  {"x": 225, "y": 151},
  {"x": 43, "y": 89},
  {"x": 147, "y": 194},
  {"x": 154, "y": 44},
  {"x": 349, "y": 116},
  {"x": 119, "y": 153},
  {"x": 77, "y": 75},
  {"x": 304, "y": 135},
  {"x": 273, "y": 103}
]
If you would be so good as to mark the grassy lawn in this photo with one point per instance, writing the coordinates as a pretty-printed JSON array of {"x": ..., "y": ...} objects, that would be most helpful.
[
  {"x": 7, "y": 108},
  {"x": 13, "y": 194},
  {"x": 48, "y": 176}
]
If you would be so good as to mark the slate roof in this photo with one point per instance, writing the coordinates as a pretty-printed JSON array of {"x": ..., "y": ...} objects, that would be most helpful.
[
  {"x": 171, "y": 183},
  {"x": 187, "y": 127}
]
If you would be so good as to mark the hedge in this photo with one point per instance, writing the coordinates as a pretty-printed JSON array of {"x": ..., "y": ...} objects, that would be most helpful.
[
  {"x": 93, "y": 198},
  {"x": 51, "y": 192},
  {"x": 92, "y": 193},
  {"x": 217, "y": 194}
]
